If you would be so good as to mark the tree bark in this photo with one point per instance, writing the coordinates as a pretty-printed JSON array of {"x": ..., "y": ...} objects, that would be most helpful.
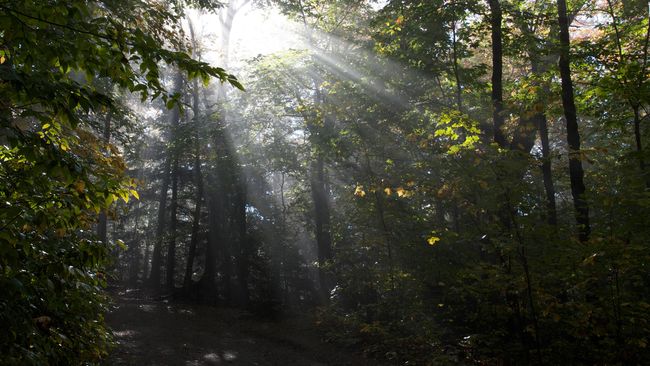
[
  {"x": 540, "y": 64},
  {"x": 242, "y": 238},
  {"x": 497, "y": 73},
  {"x": 102, "y": 224},
  {"x": 636, "y": 105},
  {"x": 322, "y": 221},
  {"x": 196, "y": 220},
  {"x": 134, "y": 250},
  {"x": 196, "y": 216},
  {"x": 576, "y": 171},
  {"x": 147, "y": 255},
  {"x": 541, "y": 123},
  {"x": 233, "y": 191},
  {"x": 547, "y": 173},
  {"x": 318, "y": 183},
  {"x": 637, "y": 138},
  {"x": 173, "y": 222},
  {"x": 156, "y": 256},
  {"x": 173, "y": 208},
  {"x": 207, "y": 283},
  {"x": 171, "y": 159},
  {"x": 459, "y": 88}
]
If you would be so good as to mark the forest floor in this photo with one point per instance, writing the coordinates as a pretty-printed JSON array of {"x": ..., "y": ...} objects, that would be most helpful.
[{"x": 151, "y": 332}]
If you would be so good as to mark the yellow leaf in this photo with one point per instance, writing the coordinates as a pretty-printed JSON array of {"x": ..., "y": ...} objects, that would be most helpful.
[
  {"x": 79, "y": 186},
  {"x": 388, "y": 191},
  {"x": 401, "y": 192},
  {"x": 359, "y": 191},
  {"x": 135, "y": 194},
  {"x": 110, "y": 199},
  {"x": 433, "y": 240},
  {"x": 120, "y": 243}
]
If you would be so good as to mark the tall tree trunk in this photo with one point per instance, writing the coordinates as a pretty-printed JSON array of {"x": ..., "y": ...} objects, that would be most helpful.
[
  {"x": 318, "y": 183},
  {"x": 636, "y": 105},
  {"x": 573, "y": 135},
  {"x": 171, "y": 158},
  {"x": 497, "y": 73},
  {"x": 284, "y": 274},
  {"x": 173, "y": 222},
  {"x": 541, "y": 123},
  {"x": 196, "y": 219},
  {"x": 231, "y": 197},
  {"x": 219, "y": 210},
  {"x": 547, "y": 173},
  {"x": 196, "y": 216},
  {"x": 322, "y": 221},
  {"x": 540, "y": 64},
  {"x": 637, "y": 138},
  {"x": 147, "y": 255},
  {"x": 233, "y": 194},
  {"x": 134, "y": 250},
  {"x": 173, "y": 208},
  {"x": 102, "y": 224},
  {"x": 242, "y": 238},
  {"x": 156, "y": 256},
  {"x": 207, "y": 283},
  {"x": 459, "y": 88},
  {"x": 220, "y": 214}
]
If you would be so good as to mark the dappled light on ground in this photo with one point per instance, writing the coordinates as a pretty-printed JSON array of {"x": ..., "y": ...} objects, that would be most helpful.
[
  {"x": 152, "y": 332},
  {"x": 124, "y": 333}
]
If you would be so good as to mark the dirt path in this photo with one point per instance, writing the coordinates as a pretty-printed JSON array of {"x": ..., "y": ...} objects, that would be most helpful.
[{"x": 160, "y": 333}]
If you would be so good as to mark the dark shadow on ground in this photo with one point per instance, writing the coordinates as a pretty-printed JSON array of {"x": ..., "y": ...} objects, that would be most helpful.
[{"x": 152, "y": 332}]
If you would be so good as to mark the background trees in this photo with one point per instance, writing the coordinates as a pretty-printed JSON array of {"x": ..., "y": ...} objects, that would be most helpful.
[
  {"x": 420, "y": 170},
  {"x": 61, "y": 68}
]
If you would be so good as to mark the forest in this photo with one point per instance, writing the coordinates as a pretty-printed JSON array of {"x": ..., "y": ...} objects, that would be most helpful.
[{"x": 424, "y": 182}]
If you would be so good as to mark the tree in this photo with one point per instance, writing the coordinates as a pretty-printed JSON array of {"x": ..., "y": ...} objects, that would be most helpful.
[
  {"x": 375, "y": 145},
  {"x": 573, "y": 135},
  {"x": 196, "y": 216},
  {"x": 55, "y": 175},
  {"x": 319, "y": 122},
  {"x": 497, "y": 73}
]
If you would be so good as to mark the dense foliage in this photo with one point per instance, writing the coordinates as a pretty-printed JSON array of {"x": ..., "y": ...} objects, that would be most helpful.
[
  {"x": 446, "y": 245},
  {"x": 60, "y": 62}
]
